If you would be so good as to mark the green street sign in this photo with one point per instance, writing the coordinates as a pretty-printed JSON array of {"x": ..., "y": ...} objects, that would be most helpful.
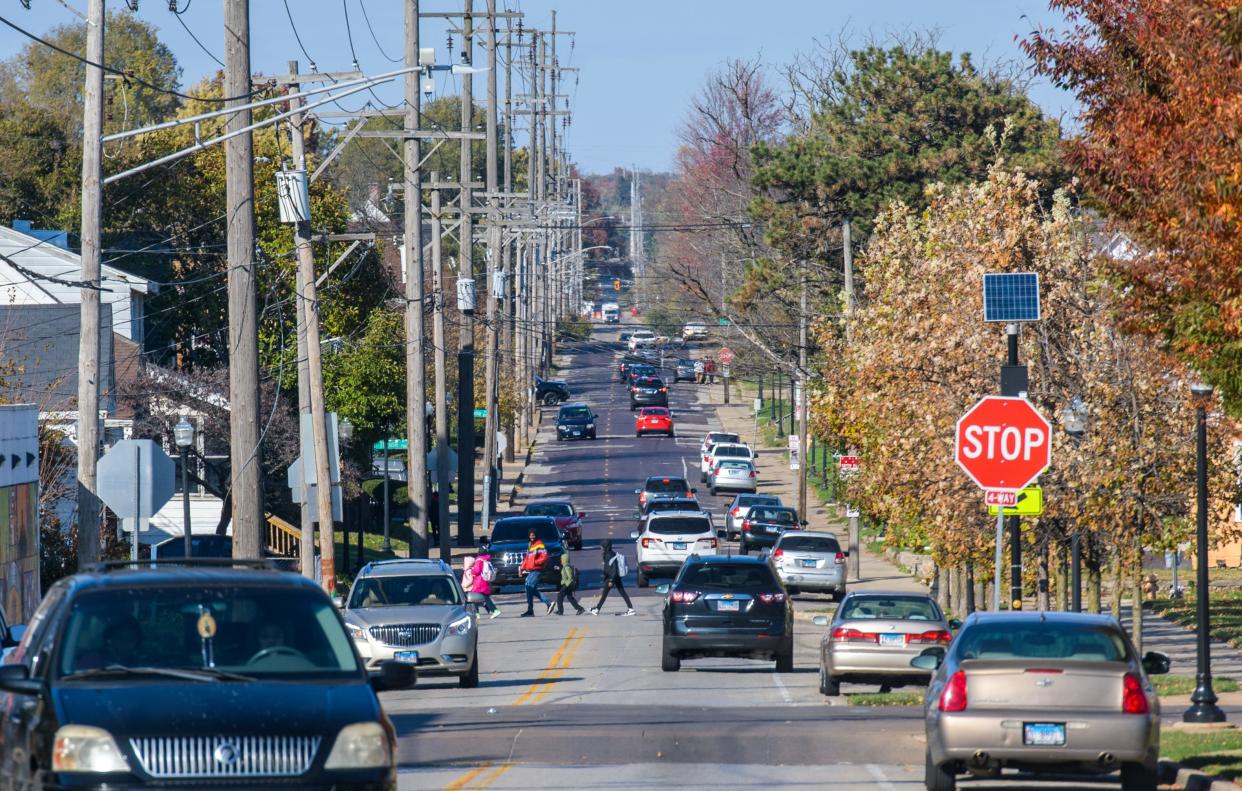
[
  {"x": 480, "y": 413},
  {"x": 1030, "y": 503},
  {"x": 393, "y": 444}
]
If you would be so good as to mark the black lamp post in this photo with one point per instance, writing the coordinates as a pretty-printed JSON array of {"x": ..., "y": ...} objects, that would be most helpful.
[
  {"x": 1203, "y": 706},
  {"x": 183, "y": 435},
  {"x": 1074, "y": 422},
  {"x": 345, "y": 431}
]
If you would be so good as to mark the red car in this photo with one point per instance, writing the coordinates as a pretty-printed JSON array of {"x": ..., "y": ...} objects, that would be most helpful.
[
  {"x": 568, "y": 521},
  {"x": 653, "y": 420}
]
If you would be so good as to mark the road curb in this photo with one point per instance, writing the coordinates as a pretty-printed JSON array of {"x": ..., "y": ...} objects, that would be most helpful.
[{"x": 1192, "y": 779}]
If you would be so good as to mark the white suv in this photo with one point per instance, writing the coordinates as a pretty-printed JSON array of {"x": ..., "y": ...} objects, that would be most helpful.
[
  {"x": 668, "y": 538},
  {"x": 642, "y": 338},
  {"x": 734, "y": 451}
]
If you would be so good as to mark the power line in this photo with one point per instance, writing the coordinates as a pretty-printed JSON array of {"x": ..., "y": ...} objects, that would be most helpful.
[{"x": 378, "y": 46}]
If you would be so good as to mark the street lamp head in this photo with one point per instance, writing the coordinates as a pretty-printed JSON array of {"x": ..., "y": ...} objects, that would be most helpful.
[
  {"x": 1074, "y": 418},
  {"x": 183, "y": 433},
  {"x": 1201, "y": 389},
  {"x": 346, "y": 430}
]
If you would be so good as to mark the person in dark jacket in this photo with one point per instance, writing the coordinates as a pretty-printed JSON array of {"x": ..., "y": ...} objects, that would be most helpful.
[{"x": 612, "y": 579}]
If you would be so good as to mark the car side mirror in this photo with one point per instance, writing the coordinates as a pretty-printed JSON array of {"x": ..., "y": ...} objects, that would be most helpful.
[
  {"x": 929, "y": 660},
  {"x": 634, "y": 534},
  {"x": 339, "y": 601},
  {"x": 394, "y": 675},
  {"x": 1155, "y": 663},
  {"x": 638, "y": 514},
  {"x": 663, "y": 589},
  {"x": 820, "y": 620},
  {"x": 955, "y": 623},
  {"x": 638, "y": 491},
  {"x": 582, "y": 514},
  {"x": 16, "y": 679}
]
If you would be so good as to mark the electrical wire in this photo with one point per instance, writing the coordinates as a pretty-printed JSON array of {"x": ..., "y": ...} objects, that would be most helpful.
[
  {"x": 378, "y": 46},
  {"x": 210, "y": 54}
]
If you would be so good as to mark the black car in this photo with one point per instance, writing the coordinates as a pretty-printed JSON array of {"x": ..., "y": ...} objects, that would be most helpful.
[
  {"x": 625, "y": 369},
  {"x": 575, "y": 421},
  {"x": 511, "y": 537},
  {"x": 684, "y": 370},
  {"x": 763, "y": 524},
  {"x": 664, "y": 487},
  {"x": 656, "y": 504},
  {"x": 648, "y": 391},
  {"x": 727, "y": 606},
  {"x": 550, "y": 392},
  {"x": 211, "y": 673}
]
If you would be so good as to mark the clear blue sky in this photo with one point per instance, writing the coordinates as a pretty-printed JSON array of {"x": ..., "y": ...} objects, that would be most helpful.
[{"x": 641, "y": 60}]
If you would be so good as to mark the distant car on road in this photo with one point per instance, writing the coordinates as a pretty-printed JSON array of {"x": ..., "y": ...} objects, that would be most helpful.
[
  {"x": 1046, "y": 692},
  {"x": 612, "y": 313},
  {"x": 684, "y": 370},
  {"x": 667, "y": 538},
  {"x": 575, "y": 421},
  {"x": 663, "y": 487},
  {"x": 762, "y": 525},
  {"x": 735, "y": 475},
  {"x": 648, "y": 391},
  {"x": 734, "y": 451},
  {"x": 654, "y": 420},
  {"x": 809, "y": 561},
  {"x": 567, "y": 519},
  {"x": 550, "y": 392},
  {"x": 694, "y": 332},
  {"x": 738, "y": 508},
  {"x": 657, "y": 505},
  {"x": 641, "y": 338}
]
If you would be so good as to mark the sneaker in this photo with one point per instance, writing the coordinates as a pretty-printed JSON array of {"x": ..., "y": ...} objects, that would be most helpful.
[
  {"x": 527, "y": 614},
  {"x": 495, "y": 613},
  {"x": 550, "y": 607},
  {"x": 594, "y": 611},
  {"x": 581, "y": 611},
  {"x": 629, "y": 612}
]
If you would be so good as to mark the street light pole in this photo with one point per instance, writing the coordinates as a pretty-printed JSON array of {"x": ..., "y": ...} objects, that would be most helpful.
[
  {"x": 1203, "y": 706},
  {"x": 387, "y": 543},
  {"x": 183, "y": 435}
]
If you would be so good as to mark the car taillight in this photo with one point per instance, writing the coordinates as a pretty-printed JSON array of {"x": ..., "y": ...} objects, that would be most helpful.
[
  {"x": 1133, "y": 698},
  {"x": 953, "y": 698},
  {"x": 839, "y": 559},
  {"x": 752, "y": 473},
  {"x": 854, "y": 635},
  {"x": 777, "y": 554},
  {"x": 711, "y": 542},
  {"x": 684, "y": 597},
  {"x": 736, "y": 510},
  {"x": 634, "y": 389},
  {"x": 663, "y": 389},
  {"x": 649, "y": 541},
  {"x": 746, "y": 525},
  {"x": 935, "y": 636},
  {"x": 771, "y": 598}
]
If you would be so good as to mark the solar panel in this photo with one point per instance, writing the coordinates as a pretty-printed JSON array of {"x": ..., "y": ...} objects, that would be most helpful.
[{"x": 1011, "y": 296}]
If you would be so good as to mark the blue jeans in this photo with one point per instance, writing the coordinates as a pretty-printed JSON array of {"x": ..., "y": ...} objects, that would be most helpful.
[{"x": 532, "y": 590}]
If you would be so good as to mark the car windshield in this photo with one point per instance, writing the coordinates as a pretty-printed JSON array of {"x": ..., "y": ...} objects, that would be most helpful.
[
  {"x": 793, "y": 542},
  {"x": 576, "y": 413},
  {"x": 890, "y": 608},
  {"x": 1085, "y": 642},
  {"x": 716, "y": 439},
  {"x": 549, "y": 509},
  {"x": 734, "y": 465},
  {"x": 650, "y": 381},
  {"x": 661, "y": 485},
  {"x": 732, "y": 450},
  {"x": 654, "y": 411},
  {"x": 780, "y": 516},
  {"x": 747, "y": 500},
  {"x": 733, "y": 576},
  {"x": 679, "y": 525},
  {"x": 404, "y": 591},
  {"x": 248, "y": 630},
  {"x": 672, "y": 505},
  {"x": 519, "y": 530}
]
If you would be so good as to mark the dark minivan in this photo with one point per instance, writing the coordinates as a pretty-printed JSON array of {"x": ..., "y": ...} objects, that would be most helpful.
[
  {"x": 511, "y": 537},
  {"x": 205, "y": 674}
]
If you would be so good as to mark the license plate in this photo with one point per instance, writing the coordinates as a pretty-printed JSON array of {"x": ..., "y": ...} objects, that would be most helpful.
[
  {"x": 729, "y": 606},
  {"x": 409, "y": 657},
  {"x": 806, "y": 564},
  {"x": 1043, "y": 733},
  {"x": 892, "y": 639},
  {"x": 679, "y": 545}
]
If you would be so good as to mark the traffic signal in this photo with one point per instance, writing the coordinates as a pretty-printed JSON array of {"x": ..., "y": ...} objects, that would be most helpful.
[{"x": 616, "y": 284}]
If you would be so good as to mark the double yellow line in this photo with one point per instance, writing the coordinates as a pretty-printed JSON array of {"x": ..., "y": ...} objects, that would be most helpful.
[
  {"x": 563, "y": 657},
  {"x": 485, "y": 781}
]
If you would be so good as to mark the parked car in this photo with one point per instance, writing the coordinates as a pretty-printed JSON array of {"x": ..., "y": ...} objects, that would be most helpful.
[
  {"x": 667, "y": 538},
  {"x": 1043, "y": 692},
  {"x": 510, "y": 538},
  {"x": 740, "y": 506},
  {"x": 575, "y": 421},
  {"x": 874, "y": 635},
  {"x": 654, "y": 420},
  {"x": 684, "y": 370},
  {"x": 725, "y": 450},
  {"x": 414, "y": 611},
  {"x": 568, "y": 520},
  {"x": 10, "y": 636},
  {"x": 663, "y": 487},
  {"x": 733, "y": 474},
  {"x": 726, "y": 606},
  {"x": 178, "y": 674},
  {"x": 396, "y": 468},
  {"x": 807, "y": 561},
  {"x": 762, "y": 525},
  {"x": 648, "y": 391},
  {"x": 694, "y": 331},
  {"x": 550, "y": 392}
]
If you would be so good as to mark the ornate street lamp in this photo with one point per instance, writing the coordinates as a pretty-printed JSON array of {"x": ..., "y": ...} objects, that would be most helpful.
[{"x": 183, "y": 435}]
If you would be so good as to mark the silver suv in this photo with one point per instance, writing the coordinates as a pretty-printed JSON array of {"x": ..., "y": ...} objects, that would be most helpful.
[{"x": 414, "y": 611}]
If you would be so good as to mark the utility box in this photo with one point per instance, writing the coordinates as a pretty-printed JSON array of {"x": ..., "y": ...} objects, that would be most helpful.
[
  {"x": 465, "y": 295},
  {"x": 293, "y": 195}
]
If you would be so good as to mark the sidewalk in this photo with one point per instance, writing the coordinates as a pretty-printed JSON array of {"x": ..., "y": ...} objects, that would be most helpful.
[{"x": 1181, "y": 645}]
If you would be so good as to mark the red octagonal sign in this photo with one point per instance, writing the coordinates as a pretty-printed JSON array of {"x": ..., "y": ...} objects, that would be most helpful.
[{"x": 1003, "y": 444}]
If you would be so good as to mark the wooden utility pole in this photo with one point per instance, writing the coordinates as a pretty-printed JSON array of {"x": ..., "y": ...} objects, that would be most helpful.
[
  {"x": 90, "y": 318},
  {"x": 244, "y": 421},
  {"x": 491, "y": 424},
  {"x": 415, "y": 295},
  {"x": 510, "y": 341},
  {"x": 443, "y": 473},
  {"x": 308, "y": 297},
  {"x": 465, "y": 354}
]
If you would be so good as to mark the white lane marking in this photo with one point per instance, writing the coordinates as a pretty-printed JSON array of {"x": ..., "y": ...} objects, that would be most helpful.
[
  {"x": 780, "y": 687},
  {"x": 880, "y": 778}
]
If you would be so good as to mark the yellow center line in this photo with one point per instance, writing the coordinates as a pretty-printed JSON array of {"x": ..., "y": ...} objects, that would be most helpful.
[
  {"x": 487, "y": 781},
  {"x": 461, "y": 782},
  {"x": 552, "y": 663},
  {"x": 556, "y": 674}
]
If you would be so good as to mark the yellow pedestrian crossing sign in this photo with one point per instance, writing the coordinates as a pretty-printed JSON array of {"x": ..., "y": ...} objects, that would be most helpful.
[{"x": 1030, "y": 503}]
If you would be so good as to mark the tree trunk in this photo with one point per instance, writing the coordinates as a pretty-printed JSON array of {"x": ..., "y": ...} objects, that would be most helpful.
[
  {"x": 1091, "y": 559},
  {"x": 959, "y": 590},
  {"x": 1118, "y": 581},
  {"x": 1136, "y": 596},
  {"x": 1041, "y": 583},
  {"x": 970, "y": 588},
  {"x": 940, "y": 587},
  {"x": 1062, "y": 581}
]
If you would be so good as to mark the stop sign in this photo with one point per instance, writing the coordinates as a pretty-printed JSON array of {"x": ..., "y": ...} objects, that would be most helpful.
[{"x": 1003, "y": 444}]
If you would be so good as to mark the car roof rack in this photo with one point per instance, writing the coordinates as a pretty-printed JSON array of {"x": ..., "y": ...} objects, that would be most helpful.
[{"x": 104, "y": 566}]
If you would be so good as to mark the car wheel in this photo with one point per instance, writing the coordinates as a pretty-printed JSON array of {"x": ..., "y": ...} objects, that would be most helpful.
[
  {"x": 470, "y": 679},
  {"x": 549, "y": 399},
  {"x": 791, "y": 590},
  {"x": 593, "y": 435},
  {"x": 937, "y": 778},
  {"x": 828, "y": 685},
  {"x": 638, "y": 434},
  {"x": 578, "y": 545},
  {"x": 1137, "y": 777},
  {"x": 672, "y": 435},
  {"x": 643, "y": 579},
  {"x": 784, "y": 660},
  {"x": 669, "y": 663}
]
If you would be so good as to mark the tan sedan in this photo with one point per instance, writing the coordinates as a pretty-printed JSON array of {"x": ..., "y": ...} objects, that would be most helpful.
[{"x": 1041, "y": 692}]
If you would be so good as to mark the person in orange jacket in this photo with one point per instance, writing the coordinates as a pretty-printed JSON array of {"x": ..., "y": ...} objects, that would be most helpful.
[{"x": 532, "y": 565}]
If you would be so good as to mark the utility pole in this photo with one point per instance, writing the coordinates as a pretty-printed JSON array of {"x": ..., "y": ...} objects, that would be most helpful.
[
  {"x": 465, "y": 354},
  {"x": 491, "y": 424},
  {"x": 415, "y": 296},
  {"x": 804, "y": 406},
  {"x": 443, "y": 479},
  {"x": 244, "y": 420},
  {"x": 308, "y": 298},
  {"x": 511, "y": 343},
  {"x": 90, "y": 318}
]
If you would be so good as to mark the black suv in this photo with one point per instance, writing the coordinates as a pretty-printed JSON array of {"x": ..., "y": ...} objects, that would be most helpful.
[
  {"x": 648, "y": 391},
  {"x": 763, "y": 524},
  {"x": 510, "y": 538},
  {"x": 632, "y": 365},
  {"x": 220, "y": 674},
  {"x": 575, "y": 421},
  {"x": 727, "y": 606},
  {"x": 550, "y": 392}
]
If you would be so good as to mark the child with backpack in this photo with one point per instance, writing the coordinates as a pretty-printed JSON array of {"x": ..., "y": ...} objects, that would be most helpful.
[
  {"x": 476, "y": 577},
  {"x": 615, "y": 570},
  {"x": 569, "y": 584}
]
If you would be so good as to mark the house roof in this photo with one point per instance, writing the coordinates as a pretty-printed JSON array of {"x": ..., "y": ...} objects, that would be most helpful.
[{"x": 44, "y": 258}]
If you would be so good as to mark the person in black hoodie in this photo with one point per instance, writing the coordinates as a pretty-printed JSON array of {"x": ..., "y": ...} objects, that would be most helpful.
[{"x": 612, "y": 579}]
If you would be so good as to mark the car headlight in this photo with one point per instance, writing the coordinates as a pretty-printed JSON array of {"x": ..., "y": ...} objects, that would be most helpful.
[
  {"x": 590, "y": 425},
  {"x": 461, "y": 626},
  {"x": 363, "y": 745},
  {"x": 355, "y": 632},
  {"x": 563, "y": 427},
  {"x": 85, "y": 748}
]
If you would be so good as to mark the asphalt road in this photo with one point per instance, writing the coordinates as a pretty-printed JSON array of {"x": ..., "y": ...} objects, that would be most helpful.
[{"x": 579, "y": 702}]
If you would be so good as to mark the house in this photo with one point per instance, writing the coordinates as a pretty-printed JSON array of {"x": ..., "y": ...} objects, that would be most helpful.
[{"x": 19, "y": 511}]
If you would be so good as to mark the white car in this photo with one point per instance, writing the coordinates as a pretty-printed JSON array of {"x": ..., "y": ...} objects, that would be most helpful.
[
  {"x": 715, "y": 438},
  {"x": 694, "y": 332},
  {"x": 724, "y": 450},
  {"x": 668, "y": 538},
  {"x": 642, "y": 338}
]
